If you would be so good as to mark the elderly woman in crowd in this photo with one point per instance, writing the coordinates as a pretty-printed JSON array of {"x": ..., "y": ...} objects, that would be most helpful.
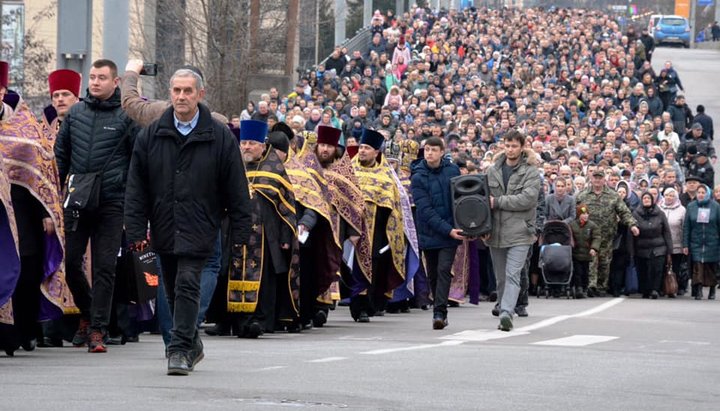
[
  {"x": 652, "y": 247},
  {"x": 701, "y": 240},
  {"x": 675, "y": 214}
]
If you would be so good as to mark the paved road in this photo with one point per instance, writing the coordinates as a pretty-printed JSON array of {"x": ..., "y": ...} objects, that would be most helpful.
[
  {"x": 594, "y": 354},
  {"x": 585, "y": 354}
]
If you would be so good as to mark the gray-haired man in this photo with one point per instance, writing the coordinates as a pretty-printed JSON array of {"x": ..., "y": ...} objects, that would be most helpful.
[{"x": 185, "y": 172}]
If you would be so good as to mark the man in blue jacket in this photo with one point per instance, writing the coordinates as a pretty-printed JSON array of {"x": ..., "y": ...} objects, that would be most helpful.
[{"x": 437, "y": 236}]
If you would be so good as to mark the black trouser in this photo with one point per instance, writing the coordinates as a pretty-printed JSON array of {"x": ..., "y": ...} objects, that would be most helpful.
[
  {"x": 308, "y": 286},
  {"x": 26, "y": 297},
  {"x": 104, "y": 228},
  {"x": 439, "y": 263},
  {"x": 581, "y": 274},
  {"x": 650, "y": 272},
  {"x": 618, "y": 267},
  {"x": 181, "y": 277},
  {"x": 487, "y": 274}
]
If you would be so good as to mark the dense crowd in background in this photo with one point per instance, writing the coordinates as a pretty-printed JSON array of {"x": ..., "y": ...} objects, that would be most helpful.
[{"x": 582, "y": 90}]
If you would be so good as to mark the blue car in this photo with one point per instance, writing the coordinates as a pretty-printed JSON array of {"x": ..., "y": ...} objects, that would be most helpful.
[{"x": 672, "y": 29}]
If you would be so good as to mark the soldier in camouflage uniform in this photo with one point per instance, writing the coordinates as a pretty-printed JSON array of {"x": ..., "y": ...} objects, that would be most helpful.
[{"x": 607, "y": 209}]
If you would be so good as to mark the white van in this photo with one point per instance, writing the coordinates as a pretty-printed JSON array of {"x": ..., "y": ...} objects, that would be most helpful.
[{"x": 654, "y": 20}]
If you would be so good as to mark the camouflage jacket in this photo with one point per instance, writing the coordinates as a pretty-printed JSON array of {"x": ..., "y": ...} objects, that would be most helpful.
[{"x": 606, "y": 209}]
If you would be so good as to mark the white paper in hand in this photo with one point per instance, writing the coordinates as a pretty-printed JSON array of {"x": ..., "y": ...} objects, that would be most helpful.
[
  {"x": 303, "y": 236},
  {"x": 348, "y": 253}
]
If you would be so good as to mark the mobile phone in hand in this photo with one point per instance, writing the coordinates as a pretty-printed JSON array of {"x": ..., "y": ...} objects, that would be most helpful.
[{"x": 149, "y": 69}]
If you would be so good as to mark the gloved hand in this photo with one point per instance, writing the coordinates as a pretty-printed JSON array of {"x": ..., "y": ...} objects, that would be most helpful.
[{"x": 138, "y": 246}]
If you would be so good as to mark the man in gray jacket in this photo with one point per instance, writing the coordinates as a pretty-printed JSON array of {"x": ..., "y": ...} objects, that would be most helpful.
[{"x": 514, "y": 187}]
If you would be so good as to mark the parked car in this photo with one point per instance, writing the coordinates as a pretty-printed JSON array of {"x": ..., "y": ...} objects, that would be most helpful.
[{"x": 672, "y": 29}]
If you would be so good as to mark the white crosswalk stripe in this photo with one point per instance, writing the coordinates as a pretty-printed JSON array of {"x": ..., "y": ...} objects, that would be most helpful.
[{"x": 577, "y": 340}]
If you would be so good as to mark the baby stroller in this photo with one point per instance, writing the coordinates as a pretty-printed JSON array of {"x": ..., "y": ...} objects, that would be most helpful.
[{"x": 555, "y": 262}]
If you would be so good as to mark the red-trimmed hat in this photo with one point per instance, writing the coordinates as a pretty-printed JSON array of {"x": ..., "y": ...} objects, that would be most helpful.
[
  {"x": 4, "y": 74},
  {"x": 328, "y": 135},
  {"x": 64, "y": 79}
]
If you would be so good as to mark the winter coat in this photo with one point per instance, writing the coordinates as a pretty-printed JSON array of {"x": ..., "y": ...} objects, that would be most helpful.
[
  {"x": 675, "y": 215},
  {"x": 655, "y": 105},
  {"x": 655, "y": 238},
  {"x": 706, "y": 123},
  {"x": 514, "y": 211},
  {"x": 560, "y": 210},
  {"x": 586, "y": 238},
  {"x": 702, "y": 144},
  {"x": 703, "y": 239},
  {"x": 705, "y": 172},
  {"x": 86, "y": 139},
  {"x": 681, "y": 117},
  {"x": 184, "y": 184},
  {"x": 433, "y": 203}
]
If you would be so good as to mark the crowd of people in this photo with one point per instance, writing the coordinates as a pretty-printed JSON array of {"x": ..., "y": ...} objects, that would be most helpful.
[{"x": 339, "y": 192}]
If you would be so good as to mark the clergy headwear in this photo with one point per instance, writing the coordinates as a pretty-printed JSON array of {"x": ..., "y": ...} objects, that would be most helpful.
[
  {"x": 253, "y": 130},
  {"x": 328, "y": 135},
  {"x": 65, "y": 80},
  {"x": 372, "y": 138}
]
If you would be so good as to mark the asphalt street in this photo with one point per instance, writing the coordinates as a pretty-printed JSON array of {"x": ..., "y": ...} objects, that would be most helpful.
[
  {"x": 594, "y": 354},
  {"x": 589, "y": 354}
]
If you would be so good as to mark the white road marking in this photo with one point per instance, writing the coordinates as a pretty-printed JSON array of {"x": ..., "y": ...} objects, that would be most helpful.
[
  {"x": 276, "y": 367},
  {"x": 482, "y": 335},
  {"x": 328, "y": 359},
  {"x": 684, "y": 342},
  {"x": 356, "y": 338},
  {"x": 487, "y": 335},
  {"x": 577, "y": 340},
  {"x": 412, "y": 348},
  {"x": 600, "y": 308}
]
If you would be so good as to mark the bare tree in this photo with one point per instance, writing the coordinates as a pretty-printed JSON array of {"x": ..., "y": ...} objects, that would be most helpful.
[
  {"x": 30, "y": 79},
  {"x": 228, "y": 40}
]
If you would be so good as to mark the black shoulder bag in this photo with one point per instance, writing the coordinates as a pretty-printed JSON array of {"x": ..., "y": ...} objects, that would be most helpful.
[{"x": 83, "y": 191}]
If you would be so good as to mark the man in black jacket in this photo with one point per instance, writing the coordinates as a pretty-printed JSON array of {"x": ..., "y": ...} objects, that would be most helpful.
[
  {"x": 705, "y": 121},
  {"x": 186, "y": 171},
  {"x": 438, "y": 236},
  {"x": 96, "y": 135},
  {"x": 649, "y": 43}
]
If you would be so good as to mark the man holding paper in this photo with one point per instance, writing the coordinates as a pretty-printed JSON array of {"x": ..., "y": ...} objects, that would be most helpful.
[
  {"x": 318, "y": 231},
  {"x": 263, "y": 285},
  {"x": 385, "y": 227},
  {"x": 346, "y": 200}
]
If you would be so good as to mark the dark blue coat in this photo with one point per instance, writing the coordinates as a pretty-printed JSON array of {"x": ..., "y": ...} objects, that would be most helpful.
[{"x": 433, "y": 202}]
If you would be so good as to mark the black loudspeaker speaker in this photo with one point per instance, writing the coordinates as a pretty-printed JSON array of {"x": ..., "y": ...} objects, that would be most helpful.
[{"x": 471, "y": 204}]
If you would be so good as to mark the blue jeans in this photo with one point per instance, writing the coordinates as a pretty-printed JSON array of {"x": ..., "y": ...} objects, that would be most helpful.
[{"x": 208, "y": 281}]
